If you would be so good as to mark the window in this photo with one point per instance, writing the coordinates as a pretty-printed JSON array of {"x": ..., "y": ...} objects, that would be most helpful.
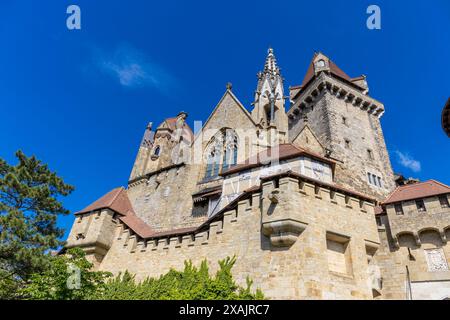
[
  {"x": 443, "y": 200},
  {"x": 344, "y": 120},
  {"x": 157, "y": 151},
  {"x": 374, "y": 180},
  {"x": 320, "y": 63},
  {"x": 398, "y": 209},
  {"x": 230, "y": 155},
  {"x": 269, "y": 116},
  {"x": 338, "y": 253},
  {"x": 213, "y": 164},
  {"x": 379, "y": 182},
  {"x": 379, "y": 222},
  {"x": 347, "y": 144},
  {"x": 370, "y": 154},
  {"x": 222, "y": 152},
  {"x": 420, "y": 205}
]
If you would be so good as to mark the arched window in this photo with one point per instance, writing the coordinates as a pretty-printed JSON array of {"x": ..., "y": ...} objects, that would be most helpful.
[
  {"x": 230, "y": 154},
  {"x": 157, "y": 151},
  {"x": 221, "y": 153},
  {"x": 213, "y": 163}
]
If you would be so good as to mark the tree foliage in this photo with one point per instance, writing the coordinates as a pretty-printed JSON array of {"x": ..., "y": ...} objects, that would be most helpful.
[
  {"x": 29, "y": 207},
  {"x": 190, "y": 284},
  {"x": 68, "y": 277}
]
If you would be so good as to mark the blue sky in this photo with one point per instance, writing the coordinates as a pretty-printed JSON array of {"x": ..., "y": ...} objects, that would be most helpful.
[{"x": 80, "y": 100}]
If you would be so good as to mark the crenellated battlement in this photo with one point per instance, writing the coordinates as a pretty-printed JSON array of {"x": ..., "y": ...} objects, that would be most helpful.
[{"x": 285, "y": 195}]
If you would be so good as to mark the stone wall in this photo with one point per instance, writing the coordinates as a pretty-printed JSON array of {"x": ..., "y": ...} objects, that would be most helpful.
[
  {"x": 164, "y": 200},
  {"x": 349, "y": 131},
  {"x": 409, "y": 243},
  {"x": 298, "y": 271}
]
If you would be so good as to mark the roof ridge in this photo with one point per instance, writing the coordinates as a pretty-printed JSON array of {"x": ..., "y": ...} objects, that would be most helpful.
[
  {"x": 119, "y": 189},
  {"x": 391, "y": 194},
  {"x": 418, "y": 190},
  {"x": 440, "y": 183}
]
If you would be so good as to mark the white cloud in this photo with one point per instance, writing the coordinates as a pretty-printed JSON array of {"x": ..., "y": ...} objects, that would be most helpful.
[
  {"x": 133, "y": 69},
  {"x": 408, "y": 162}
]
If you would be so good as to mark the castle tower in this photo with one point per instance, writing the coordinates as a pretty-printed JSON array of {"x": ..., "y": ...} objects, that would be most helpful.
[
  {"x": 269, "y": 112},
  {"x": 143, "y": 153},
  {"x": 164, "y": 147},
  {"x": 346, "y": 120}
]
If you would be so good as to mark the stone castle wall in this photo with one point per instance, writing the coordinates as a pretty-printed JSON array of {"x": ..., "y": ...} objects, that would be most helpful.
[
  {"x": 300, "y": 271},
  {"x": 409, "y": 241},
  {"x": 164, "y": 200}
]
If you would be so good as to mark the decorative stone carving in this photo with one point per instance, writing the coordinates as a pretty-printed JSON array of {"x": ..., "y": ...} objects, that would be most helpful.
[{"x": 436, "y": 260}]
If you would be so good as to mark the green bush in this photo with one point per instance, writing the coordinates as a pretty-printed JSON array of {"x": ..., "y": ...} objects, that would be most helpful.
[
  {"x": 68, "y": 277},
  {"x": 190, "y": 284}
]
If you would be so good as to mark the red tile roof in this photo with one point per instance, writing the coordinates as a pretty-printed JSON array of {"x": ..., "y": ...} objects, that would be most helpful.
[
  {"x": 172, "y": 125},
  {"x": 133, "y": 222},
  {"x": 334, "y": 69},
  {"x": 279, "y": 152},
  {"x": 116, "y": 200},
  {"x": 417, "y": 191}
]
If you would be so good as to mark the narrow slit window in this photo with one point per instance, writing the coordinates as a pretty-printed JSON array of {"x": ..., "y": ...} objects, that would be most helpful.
[
  {"x": 398, "y": 209},
  {"x": 420, "y": 205},
  {"x": 347, "y": 144},
  {"x": 443, "y": 200}
]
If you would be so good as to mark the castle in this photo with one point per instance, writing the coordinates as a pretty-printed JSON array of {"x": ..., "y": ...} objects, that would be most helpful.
[{"x": 300, "y": 189}]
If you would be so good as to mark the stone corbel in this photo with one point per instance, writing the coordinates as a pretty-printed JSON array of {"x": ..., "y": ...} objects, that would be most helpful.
[{"x": 283, "y": 233}]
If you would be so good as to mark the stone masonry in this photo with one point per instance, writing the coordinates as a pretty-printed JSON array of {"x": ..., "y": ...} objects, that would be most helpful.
[{"x": 305, "y": 198}]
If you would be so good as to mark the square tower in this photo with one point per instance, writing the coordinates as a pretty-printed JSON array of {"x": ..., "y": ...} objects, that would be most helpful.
[{"x": 346, "y": 120}]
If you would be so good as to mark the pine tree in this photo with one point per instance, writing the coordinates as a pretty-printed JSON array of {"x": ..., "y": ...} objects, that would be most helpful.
[{"x": 29, "y": 207}]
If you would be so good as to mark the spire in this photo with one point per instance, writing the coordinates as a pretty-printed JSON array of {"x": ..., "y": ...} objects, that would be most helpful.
[
  {"x": 147, "y": 139},
  {"x": 271, "y": 67},
  {"x": 268, "y": 108},
  {"x": 271, "y": 75}
]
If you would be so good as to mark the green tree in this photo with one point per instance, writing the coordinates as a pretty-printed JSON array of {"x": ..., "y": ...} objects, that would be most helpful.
[
  {"x": 68, "y": 277},
  {"x": 29, "y": 207}
]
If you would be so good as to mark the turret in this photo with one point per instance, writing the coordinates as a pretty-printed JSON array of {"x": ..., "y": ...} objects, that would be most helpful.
[
  {"x": 95, "y": 226},
  {"x": 163, "y": 148},
  {"x": 269, "y": 112}
]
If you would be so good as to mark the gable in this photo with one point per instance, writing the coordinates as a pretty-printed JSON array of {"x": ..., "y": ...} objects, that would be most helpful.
[
  {"x": 306, "y": 139},
  {"x": 229, "y": 113}
]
